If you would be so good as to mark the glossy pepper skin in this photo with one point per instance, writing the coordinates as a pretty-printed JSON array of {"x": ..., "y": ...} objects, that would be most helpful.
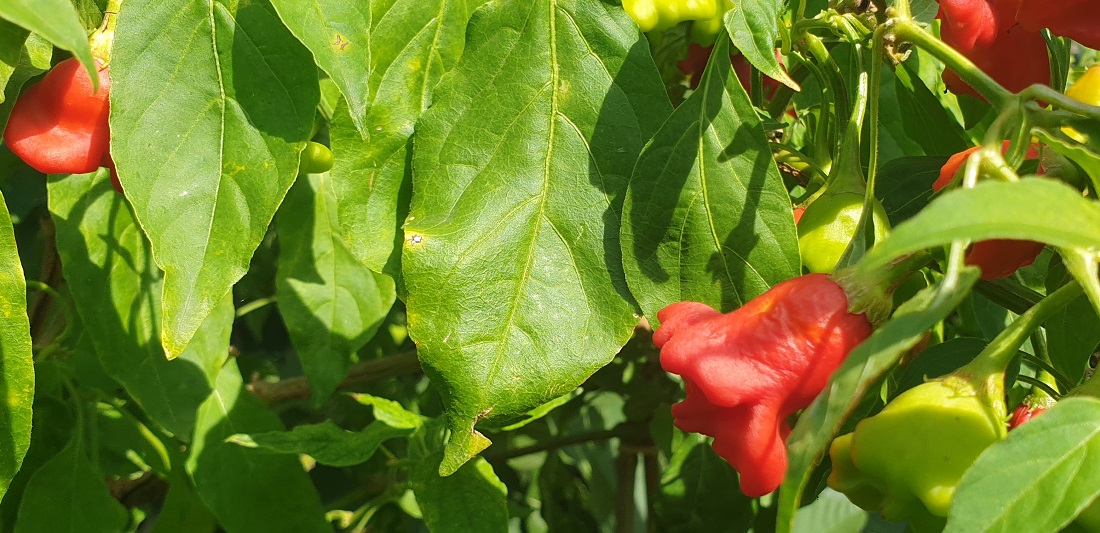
[
  {"x": 986, "y": 32},
  {"x": 1077, "y": 19},
  {"x": 997, "y": 258},
  {"x": 828, "y": 225},
  {"x": 748, "y": 370},
  {"x": 906, "y": 461},
  {"x": 59, "y": 125},
  {"x": 660, "y": 15},
  {"x": 315, "y": 159}
]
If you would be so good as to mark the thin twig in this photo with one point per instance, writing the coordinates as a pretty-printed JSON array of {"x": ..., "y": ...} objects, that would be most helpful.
[{"x": 297, "y": 388}]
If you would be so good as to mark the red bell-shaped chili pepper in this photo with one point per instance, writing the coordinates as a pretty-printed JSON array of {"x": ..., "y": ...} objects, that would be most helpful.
[
  {"x": 59, "y": 125},
  {"x": 1077, "y": 19},
  {"x": 997, "y": 258},
  {"x": 985, "y": 31},
  {"x": 748, "y": 370}
]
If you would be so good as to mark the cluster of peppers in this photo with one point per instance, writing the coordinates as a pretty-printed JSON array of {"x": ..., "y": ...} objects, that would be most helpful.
[
  {"x": 1004, "y": 37},
  {"x": 748, "y": 371},
  {"x": 59, "y": 125}
]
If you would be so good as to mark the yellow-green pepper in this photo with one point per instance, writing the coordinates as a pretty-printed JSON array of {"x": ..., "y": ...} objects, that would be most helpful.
[
  {"x": 828, "y": 225},
  {"x": 906, "y": 461},
  {"x": 661, "y": 15},
  {"x": 316, "y": 158}
]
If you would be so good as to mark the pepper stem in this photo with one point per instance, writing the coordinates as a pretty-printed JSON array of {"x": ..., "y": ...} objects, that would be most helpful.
[
  {"x": 987, "y": 370},
  {"x": 104, "y": 37}
]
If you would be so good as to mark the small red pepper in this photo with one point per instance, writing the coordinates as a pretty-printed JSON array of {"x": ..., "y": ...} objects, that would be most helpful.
[
  {"x": 986, "y": 32},
  {"x": 1077, "y": 19},
  {"x": 59, "y": 125},
  {"x": 998, "y": 258},
  {"x": 748, "y": 370}
]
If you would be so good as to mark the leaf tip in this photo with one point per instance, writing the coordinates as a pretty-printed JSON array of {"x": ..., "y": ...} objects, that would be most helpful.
[{"x": 465, "y": 443}]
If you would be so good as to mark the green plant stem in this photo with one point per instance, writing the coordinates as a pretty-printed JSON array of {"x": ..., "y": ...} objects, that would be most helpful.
[
  {"x": 833, "y": 77},
  {"x": 901, "y": 9},
  {"x": 622, "y": 430},
  {"x": 996, "y": 357},
  {"x": 1038, "y": 386},
  {"x": 905, "y": 29}
]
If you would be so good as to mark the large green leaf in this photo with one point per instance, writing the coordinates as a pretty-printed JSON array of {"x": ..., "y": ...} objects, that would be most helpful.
[
  {"x": 16, "y": 368},
  {"x": 855, "y": 378},
  {"x": 707, "y": 218},
  {"x": 1036, "y": 480},
  {"x": 1072, "y": 336},
  {"x": 412, "y": 43},
  {"x": 68, "y": 495},
  {"x": 116, "y": 288},
  {"x": 511, "y": 255},
  {"x": 331, "y": 303},
  {"x": 55, "y": 20},
  {"x": 210, "y": 104},
  {"x": 337, "y": 32},
  {"x": 248, "y": 491}
]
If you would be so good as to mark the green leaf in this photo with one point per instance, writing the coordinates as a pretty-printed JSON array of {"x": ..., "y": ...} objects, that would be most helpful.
[
  {"x": 511, "y": 257},
  {"x": 117, "y": 287},
  {"x": 51, "y": 431},
  {"x": 12, "y": 38},
  {"x": 338, "y": 34},
  {"x": 754, "y": 27},
  {"x": 905, "y": 185},
  {"x": 830, "y": 513},
  {"x": 413, "y": 43},
  {"x": 923, "y": 118},
  {"x": 1076, "y": 152},
  {"x": 183, "y": 511},
  {"x": 390, "y": 412},
  {"x": 707, "y": 218},
  {"x": 210, "y": 104},
  {"x": 564, "y": 496},
  {"x": 248, "y": 491},
  {"x": 326, "y": 442},
  {"x": 859, "y": 374},
  {"x": 471, "y": 500},
  {"x": 939, "y": 360},
  {"x": 68, "y": 495},
  {"x": 1038, "y": 479},
  {"x": 331, "y": 303},
  {"x": 34, "y": 59},
  {"x": 699, "y": 491},
  {"x": 16, "y": 367},
  {"x": 1072, "y": 336},
  {"x": 1033, "y": 209},
  {"x": 56, "y": 21}
]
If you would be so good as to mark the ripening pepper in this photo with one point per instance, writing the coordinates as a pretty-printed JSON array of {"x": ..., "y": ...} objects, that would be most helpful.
[
  {"x": 59, "y": 125},
  {"x": 997, "y": 258},
  {"x": 906, "y": 461},
  {"x": 1077, "y": 19},
  {"x": 1086, "y": 89},
  {"x": 828, "y": 225},
  {"x": 747, "y": 371},
  {"x": 986, "y": 32},
  {"x": 661, "y": 15}
]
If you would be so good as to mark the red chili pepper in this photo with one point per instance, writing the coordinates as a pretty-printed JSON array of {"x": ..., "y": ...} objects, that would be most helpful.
[
  {"x": 985, "y": 31},
  {"x": 1077, "y": 19},
  {"x": 998, "y": 258},
  {"x": 1023, "y": 413},
  {"x": 59, "y": 125},
  {"x": 798, "y": 211},
  {"x": 748, "y": 370}
]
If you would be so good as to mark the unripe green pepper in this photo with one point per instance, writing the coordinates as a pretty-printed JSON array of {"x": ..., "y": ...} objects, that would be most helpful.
[
  {"x": 906, "y": 461},
  {"x": 828, "y": 225},
  {"x": 316, "y": 158},
  {"x": 661, "y": 15}
]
